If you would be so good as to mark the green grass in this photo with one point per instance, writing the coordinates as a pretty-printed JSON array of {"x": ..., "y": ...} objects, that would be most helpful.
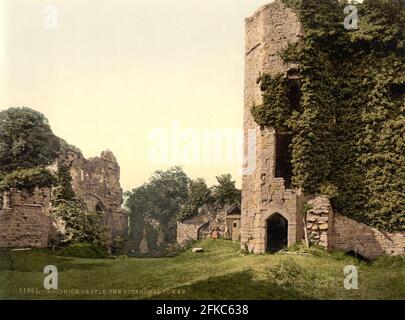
[{"x": 221, "y": 272}]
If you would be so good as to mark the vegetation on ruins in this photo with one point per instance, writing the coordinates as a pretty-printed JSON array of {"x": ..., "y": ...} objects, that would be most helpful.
[
  {"x": 27, "y": 179},
  {"x": 26, "y": 140},
  {"x": 348, "y": 130},
  {"x": 62, "y": 189},
  {"x": 218, "y": 196},
  {"x": 27, "y": 147},
  {"x": 81, "y": 226}
]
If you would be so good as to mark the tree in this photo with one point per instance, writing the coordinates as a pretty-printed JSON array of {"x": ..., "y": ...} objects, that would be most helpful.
[
  {"x": 26, "y": 139},
  {"x": 198, "y": 195},
  {"x": 160, "y": 199},
  {"x": 169, "y": 191},
  {"x": 225, "y": 193}
]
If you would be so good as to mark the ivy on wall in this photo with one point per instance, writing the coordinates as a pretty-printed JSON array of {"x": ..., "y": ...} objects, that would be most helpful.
[
  {"x": 276, "y": 107},
  {"x": 27, "y": 179},
  {"x": 349, "y": 134}
]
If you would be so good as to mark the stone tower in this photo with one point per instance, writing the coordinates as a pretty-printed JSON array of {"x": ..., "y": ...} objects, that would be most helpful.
[{"x": 271, "y": 211}]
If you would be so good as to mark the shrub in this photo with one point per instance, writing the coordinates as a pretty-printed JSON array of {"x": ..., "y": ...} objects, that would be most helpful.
[{"x": 81, "y": 226}]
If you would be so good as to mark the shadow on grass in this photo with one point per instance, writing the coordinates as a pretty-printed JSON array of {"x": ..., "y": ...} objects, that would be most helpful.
[
  {"x": 35, "y": 261},
  {"x": 234, "y": 286}
]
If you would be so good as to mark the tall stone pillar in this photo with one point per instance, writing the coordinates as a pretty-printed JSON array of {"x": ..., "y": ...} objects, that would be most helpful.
[{"x": 268, "y": 30}]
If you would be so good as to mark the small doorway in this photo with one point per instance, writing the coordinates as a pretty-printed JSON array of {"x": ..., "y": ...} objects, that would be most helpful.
[
  {"x": 277, "y": 233},
  {"x": 235, "y": 230}
]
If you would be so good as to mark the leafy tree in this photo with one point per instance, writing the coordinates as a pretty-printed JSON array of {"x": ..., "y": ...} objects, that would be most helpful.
[
  {"x": 225, "y": 192},
  {"x": 169, "y": 192},
  {"x": 161, "y": 199},
  {"x": 198, "y": 195},
  {"x": 138, "y": 203},
  {"x": 26, "y": 139}
]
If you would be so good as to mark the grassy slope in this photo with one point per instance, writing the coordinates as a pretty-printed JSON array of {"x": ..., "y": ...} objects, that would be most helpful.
[{"x": 219, "y": 273}]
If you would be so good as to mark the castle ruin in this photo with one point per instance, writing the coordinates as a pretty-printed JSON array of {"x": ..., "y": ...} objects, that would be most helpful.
[
  {"x": 272, "y": 212},
  {"x": 26, "y": 217}
]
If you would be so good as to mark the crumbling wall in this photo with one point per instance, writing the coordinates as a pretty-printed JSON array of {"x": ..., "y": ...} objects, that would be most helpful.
[
  {"x": 96, "y": 182},
  {"x": 337, "y": 232},
  {"x": 24, "y": 218},
  {"x": 208, "y": 221},
  {"x": 350, "y": 235},
  {"x": 319, "y": 220},
  {"x": 155, "y": 236},
  {"x": 189, "y": 229}
]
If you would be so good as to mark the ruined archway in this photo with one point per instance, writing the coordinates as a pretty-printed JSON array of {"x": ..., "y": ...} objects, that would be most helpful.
[
  {"x": 93, "y": 203},
  {"x": 277, "y": 233}
]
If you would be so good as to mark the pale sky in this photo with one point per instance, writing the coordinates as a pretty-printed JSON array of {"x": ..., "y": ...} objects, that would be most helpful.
[{"x": 120, "y": 74}]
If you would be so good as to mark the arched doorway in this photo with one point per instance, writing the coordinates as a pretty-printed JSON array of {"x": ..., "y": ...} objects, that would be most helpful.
[
  {"x": 91, "y": 202},
  {"x": 277, "y": 233}
]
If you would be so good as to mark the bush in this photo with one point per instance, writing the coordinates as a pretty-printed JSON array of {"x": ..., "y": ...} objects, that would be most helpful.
[
  {"x": 81, "y": 226},
  {"x": 84, "y": 250}
]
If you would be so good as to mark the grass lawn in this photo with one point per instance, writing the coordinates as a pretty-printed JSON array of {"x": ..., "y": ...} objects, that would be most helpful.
[{"x": 221, "y": 272}]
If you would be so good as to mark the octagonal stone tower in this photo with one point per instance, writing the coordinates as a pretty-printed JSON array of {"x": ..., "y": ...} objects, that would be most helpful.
[{"x": 271, "y": 212}]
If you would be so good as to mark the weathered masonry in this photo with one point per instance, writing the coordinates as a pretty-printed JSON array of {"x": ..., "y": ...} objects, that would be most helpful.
[
  {"x": 96, "y": 182},
  {"x": 272, "y": 214},
  {"x": 26, "y": 219},
  {"x": 211, "y": 222}
]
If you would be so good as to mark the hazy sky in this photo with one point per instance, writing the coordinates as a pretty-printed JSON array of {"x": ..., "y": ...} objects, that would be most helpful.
[{"x": 147, "y": 79}]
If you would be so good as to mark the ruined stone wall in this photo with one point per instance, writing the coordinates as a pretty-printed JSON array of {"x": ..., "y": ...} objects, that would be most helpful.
[
  {"x": 96, "y": 182},
  {"x": 268, "y": 31},
  {"x": 203, "y": 225},
  {"x": 156, "y": 236},
  {"x": 350, "y": 235},
  {"x": 319, "y": 220},
  {"x": 336, "y": 232},
  {"x": 189, "y": 229},
  {"x": 24, "y": 218}
]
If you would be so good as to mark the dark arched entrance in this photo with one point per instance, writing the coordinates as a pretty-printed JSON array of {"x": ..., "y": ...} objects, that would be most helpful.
[{"x": 277, "y": 233}]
